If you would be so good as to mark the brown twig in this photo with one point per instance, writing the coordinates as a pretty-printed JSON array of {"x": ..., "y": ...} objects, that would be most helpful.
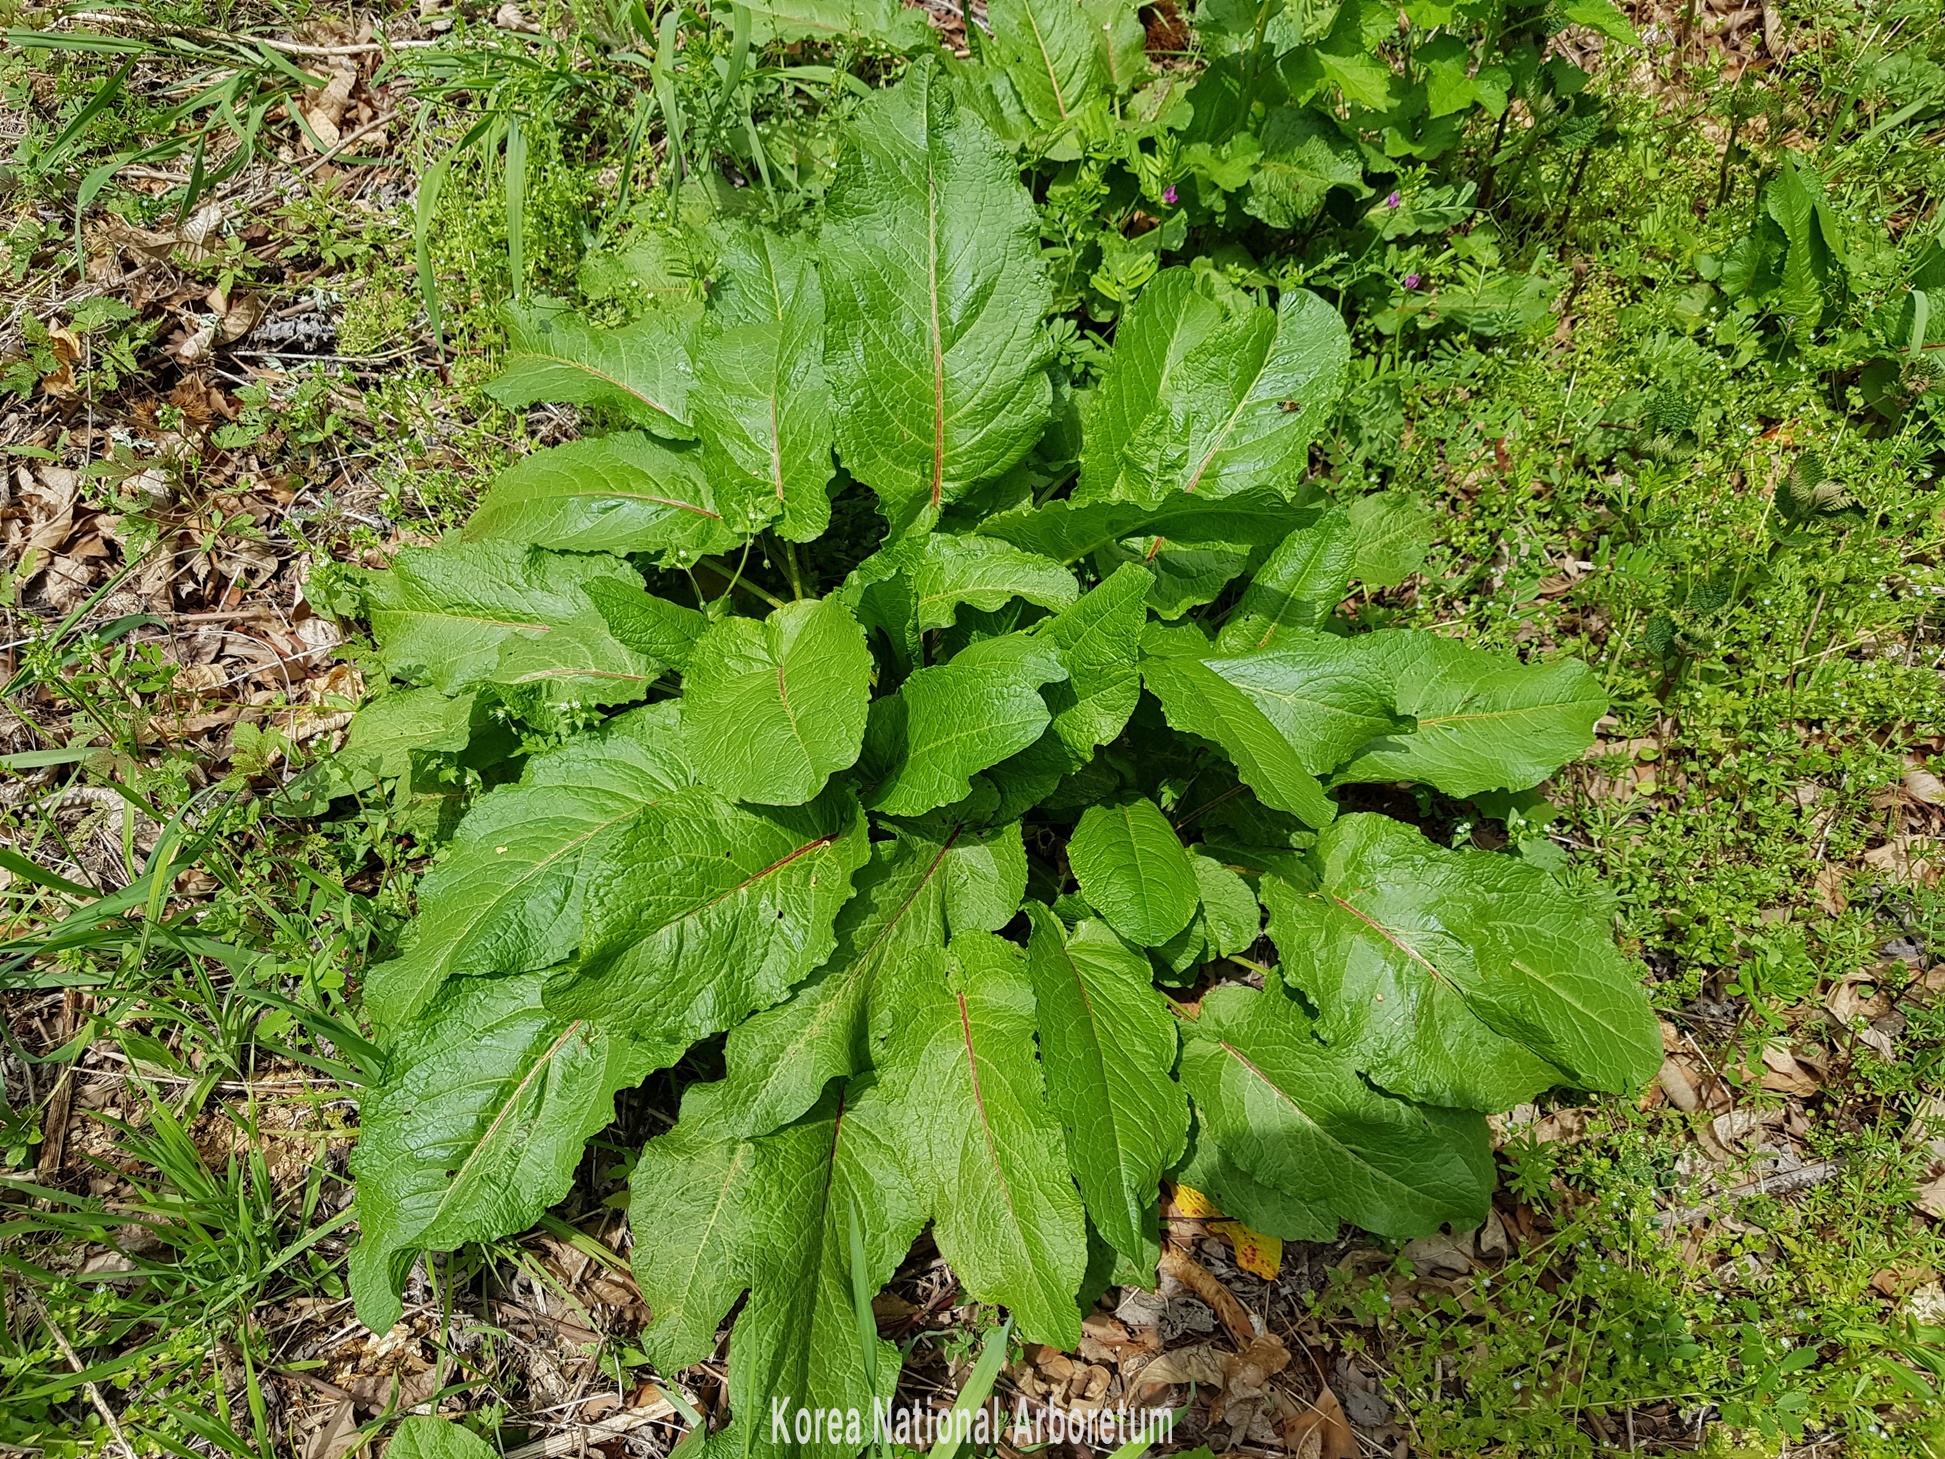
[{"x": 74, "y": 1362}]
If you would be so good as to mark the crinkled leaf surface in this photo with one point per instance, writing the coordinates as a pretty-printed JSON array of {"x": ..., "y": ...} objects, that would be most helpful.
[
  {"x": 986, "y": 574},
  {"x": 950, "y": 721},
  {"x": 443, "y": 614},
  {"x": 1210, "y": 403},
  {"x": 1133, "y": 870},
  {"x": 1198, "y": 701},
  {"x": 1230, "y": 910},
  {"x": 1458, "y": 977},
  {"x": 760, "y": 402},
  {"x": 1099, "y": 639},
  {"x": 660, "y": 631},
  {"x": 936, "y": 298},
  {"x": 933, "y": 878},
  {"x": 1066, "y": 532},
  {"x": 1296, "y": 1117},
  {"x": 832, "y": 20},
  {"x": 436, "y": 1438},
  {"x": 771, "y": 710},
  {"x": 1390, "y": 533},
  {"x": 772, "y": 1216},
  {"x": 1301, "y": 1216},
  {"x": 1485, "y": 720},
  {"x": 985, "y": 1151},
  {"x": 627, "y": 492},
  {"x": 508, "y": 897},
  {"x": 1050, "y": 52},
  {"x": 1108, "y": 1043},
  {"x": 641, "y": 371},
  {"x": 1305, "y": 155},
  {"x": 1296, "y": 588},
  {"x": 475, "y": 1127},
  {"x": 710, "y": 910}
]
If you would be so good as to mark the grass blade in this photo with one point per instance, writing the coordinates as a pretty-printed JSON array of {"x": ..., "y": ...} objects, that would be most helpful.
[
  {"x": 979, "y": 1388},
  {"x": 516, "y": 198}
]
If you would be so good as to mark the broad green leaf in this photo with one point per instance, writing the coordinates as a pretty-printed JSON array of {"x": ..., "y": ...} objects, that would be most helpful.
[
  {"x": 1459, "y": 977},
  {"x": 1285, "y": 714},
  {"x": 1133, "y": 871},
  {"x": 1303, "y": 580},
  {"x": 622, "y": 493},
  {"x": 475, "y": 1127},
  {"x": 1485, "y": 720},
  {"x": 709, "y": 911},
  {"x": 760, "y": 402},
  {"x": 1305, "y": 155},
  {"x": 1099, "y": 639},
  {"x": 1067, "y": 533},
  {"x": 936, "y": 297},
  {"x": 1288, "y": 1216},
  {"x": 1296, "y": 1117},
  {"x": 436, "y": 1438},
  {"x": 1198, "y": 701},
  {"x": 1390, "y": 532},
  {"x": 986, "y": 574},
  {"x": 1197, "y": 400},
  {"x": 1108, "y": 1043},
  {"x": 1230, "y": 911},
  {"x": 1184, "y": 577},
  {"x": 508, "y": 897},
  {"x": 772, "y": 710},
  {"x": 641, "y": 371},
  {"x": 444, "y": 614},
  {"x": 576, "y": 662},
  {"x": 950, "y": 721},
  {"x": 984, "y": 1150},
  {"x": 772, "y": 1216},
  {"x": 1050, "y": 52},
  {"x": 653, "y": 627},
  {"x": 884, "y": 21},
  {"x": 381, "y": 743},
  {"x": 932, "y": 879},
  {"x": 1117, "y": 30},
  {"x": 1600, "y": 15}
]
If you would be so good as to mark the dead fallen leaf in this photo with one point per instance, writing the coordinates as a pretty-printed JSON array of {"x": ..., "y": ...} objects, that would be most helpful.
[
  {"x": 1909, "y": 858},
  {"x": 325, "y": 109},
  {"x": 1931, "y": 1198},
  {"x": 1320, "y": 1428},
  {"x": 1200, "y": 1364},
  {"x": 1192, "y": 1203},
  {"x": 1679, "y": 1088},
  {"x": 1257, "y": 1254},
  {"x": 337, "y": 1435},
  {"x": 1782, "y": 1074},
  {"x": 1439, "y": 1254},
  {"x": 1921, "y": 785}
]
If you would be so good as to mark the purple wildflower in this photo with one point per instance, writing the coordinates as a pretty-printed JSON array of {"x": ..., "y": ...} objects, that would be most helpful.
[
  {"x": 1412, "y": 281},
  {"x": 1169, "y": 195},
  {"x": 1393, "y": 201}
]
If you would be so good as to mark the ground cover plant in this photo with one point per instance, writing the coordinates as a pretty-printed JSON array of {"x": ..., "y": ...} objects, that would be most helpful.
[{"x": 1012, "y": 658}]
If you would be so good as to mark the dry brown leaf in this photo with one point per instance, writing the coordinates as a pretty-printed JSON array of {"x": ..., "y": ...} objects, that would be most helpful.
[
  {"x": 1848, "y": 999},
  {"x": 1439, "y": 1254},
  {"x": 1921, "y": 785},
  {"x": 1931, "y": 1198},
  {"x": 324, "y": 109},
  {"x": 1829, "y": 882},
  {"x": 1320, "y": 1428},
  {"x": 1200, "y": 1364},
  {"x": 1910, "y": 858},
  {"x": 1782, "y": 1074},
  {"x": 1928, "y": 1127},
  {"x": 1679, "y": 1088},
  {"x": 336, "y": 1435},
  {"x": 239, "y": 317}
]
